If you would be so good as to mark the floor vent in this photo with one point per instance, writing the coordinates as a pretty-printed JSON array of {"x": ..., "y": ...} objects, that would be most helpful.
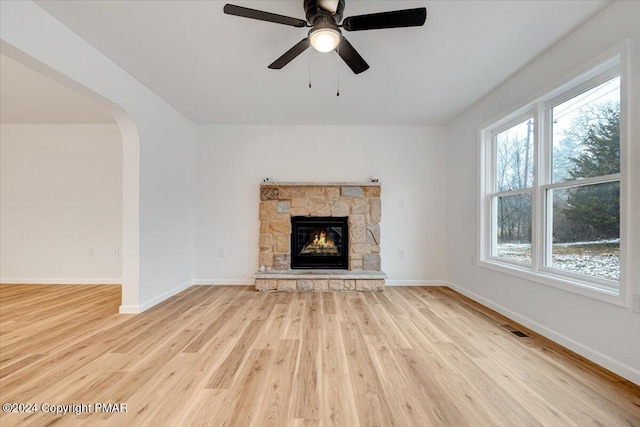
[{"x": 514, "y": 331}]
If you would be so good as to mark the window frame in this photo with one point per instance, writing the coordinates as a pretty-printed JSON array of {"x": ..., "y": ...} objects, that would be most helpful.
[
  {"x": 493, "y": 195},
  {"x": 607, "y": 66}
]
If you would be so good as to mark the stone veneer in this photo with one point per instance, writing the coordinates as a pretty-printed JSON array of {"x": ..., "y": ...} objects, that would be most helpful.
[
  {"x": 360, "y": 202},
  {"x": 313, "y": 280}
]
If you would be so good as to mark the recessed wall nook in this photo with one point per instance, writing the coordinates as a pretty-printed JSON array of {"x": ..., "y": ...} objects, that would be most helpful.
[{"x": 320, "y": 236}]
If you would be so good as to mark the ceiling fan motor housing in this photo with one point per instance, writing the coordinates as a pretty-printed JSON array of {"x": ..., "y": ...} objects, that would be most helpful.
[
  {"x": 314, "y": 12},
  {"x": 324, "y": 22}
]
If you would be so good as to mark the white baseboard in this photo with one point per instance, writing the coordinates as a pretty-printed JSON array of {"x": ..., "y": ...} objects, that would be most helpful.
[
  {"x": 391, "y": 282},
  {"x": 224, "y": 282},
  {"x": 58, "y": 281},
  {"x": 135, "y": 309},
  {"x": 129, "y": 309},
  {"x": 620, "y": 368}
]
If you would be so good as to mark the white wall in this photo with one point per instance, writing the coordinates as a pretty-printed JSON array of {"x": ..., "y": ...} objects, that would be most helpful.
[
  {"x": 232, "y": 160},
  {"x": 60, "y": 194},
  {"x": 158, "y": 151},
  {"x": 605, "y": 333}
]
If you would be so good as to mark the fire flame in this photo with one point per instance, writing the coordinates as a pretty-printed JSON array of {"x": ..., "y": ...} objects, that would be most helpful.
[{"x": 321, "y": 240}]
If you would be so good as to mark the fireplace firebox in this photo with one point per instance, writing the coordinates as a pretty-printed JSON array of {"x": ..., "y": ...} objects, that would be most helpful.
[{"x": 319, "y": 242}]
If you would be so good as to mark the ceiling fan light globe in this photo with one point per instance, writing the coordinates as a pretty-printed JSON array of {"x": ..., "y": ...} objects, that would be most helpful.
[{"x": 325, "y": 39}]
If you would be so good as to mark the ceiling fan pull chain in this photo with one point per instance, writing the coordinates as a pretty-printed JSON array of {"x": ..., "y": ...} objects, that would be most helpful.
[
  {"x": 338, "y": 72},
  {"x": 310, "y": 53}
]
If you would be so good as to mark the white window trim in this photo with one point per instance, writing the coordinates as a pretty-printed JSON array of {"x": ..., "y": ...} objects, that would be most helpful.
[{"x": 611, "y": 63}]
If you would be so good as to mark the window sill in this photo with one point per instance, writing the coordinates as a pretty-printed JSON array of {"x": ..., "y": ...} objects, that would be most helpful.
[{"x": 559, "y": 282}]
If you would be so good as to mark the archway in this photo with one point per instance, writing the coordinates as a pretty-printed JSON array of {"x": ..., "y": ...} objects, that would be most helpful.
[{"x": 130, "y": 253}]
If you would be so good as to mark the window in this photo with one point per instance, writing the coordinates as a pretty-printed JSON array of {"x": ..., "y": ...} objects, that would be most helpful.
[
  {"x": 552, "y": 186},
  {"x": 513, "y": 189}
]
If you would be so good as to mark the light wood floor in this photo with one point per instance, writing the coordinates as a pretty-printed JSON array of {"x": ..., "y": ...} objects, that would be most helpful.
[{"x": 230, "y": 356}]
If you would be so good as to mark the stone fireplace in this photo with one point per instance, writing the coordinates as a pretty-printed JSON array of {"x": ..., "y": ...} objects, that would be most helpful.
[{"x": 319, "y": 236}]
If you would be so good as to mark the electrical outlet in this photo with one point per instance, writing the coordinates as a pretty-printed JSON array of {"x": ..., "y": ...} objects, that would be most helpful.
[
  {"x": 221, "y": 253},
  {"x": 90, "y": 251},
  {"x": 116, "y": 252},
  {"x": 400, "y": 253},
  {"x": 400, "y": 204},
  {"x": 636, "y": 303}
]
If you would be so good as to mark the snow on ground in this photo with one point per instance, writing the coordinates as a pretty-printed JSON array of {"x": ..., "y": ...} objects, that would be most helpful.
[
  {"x": 520, "y": 252},
  {"x": 582, "y": 261},
  {"x": 605, "y": 266}
]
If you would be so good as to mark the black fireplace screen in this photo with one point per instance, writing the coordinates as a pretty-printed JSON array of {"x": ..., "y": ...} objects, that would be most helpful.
[{"x": 319, "y": 242}]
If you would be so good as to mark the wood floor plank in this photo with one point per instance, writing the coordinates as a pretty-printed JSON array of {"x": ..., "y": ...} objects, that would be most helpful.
[
  {"x": 225, "y": 374},
  {"x": 135, "y": 380},
  {"x": 328, "y": 303},
  {"x": 405, "y": 405},
  {"x": 371, "y": 402},
  {"x": 212, "y": 329},
  {"x": 203, "y": 409},
  {"x": 365, "y": 320},
  {"x": 338, "y": 403},
  {"x": 293, "y": 330},
  {"x": 438, "y": 406},
  {"x": 473, "y": 406},
  {"x": 246, "y": 389},
  {"x": 540, "y": 407},
  {"x": 531, "y": 367},
  {"x": 275, "y": 328},
  {"x": 388, "y": 327},
  {"x": 308, "y": 379},
  {"x": 227, "y": 355},
  {"x": 497, "y": 397},
  {"x": 419, "y": 340},
  {"x": 19, "y": 364},
  {"x": 179, "y": 385},
  {"x": 275, "y": 404},
  {"x": 334, "y": 360}
]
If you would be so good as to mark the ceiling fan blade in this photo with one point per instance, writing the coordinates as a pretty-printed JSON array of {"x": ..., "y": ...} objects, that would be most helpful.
[
  {"x": 245, "y": 12},
  {"x": 393, "y": 19},
  {"x": 290, "y": 55},
  {"x": 351, "y": 56}
]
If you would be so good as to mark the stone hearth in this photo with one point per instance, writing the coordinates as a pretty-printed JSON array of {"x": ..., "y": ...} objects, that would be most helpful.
[
  {"x": 360, "y": 202},
  {"x": 318, "y": 280}
]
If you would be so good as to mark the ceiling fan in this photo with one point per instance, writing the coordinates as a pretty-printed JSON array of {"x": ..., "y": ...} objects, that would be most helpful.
[{"x": 324, "y": 16}]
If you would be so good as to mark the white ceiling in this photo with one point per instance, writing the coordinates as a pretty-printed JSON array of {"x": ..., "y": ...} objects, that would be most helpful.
[
  {"x": 212, "y": 67},
  {"x": 27, "y": 96}
]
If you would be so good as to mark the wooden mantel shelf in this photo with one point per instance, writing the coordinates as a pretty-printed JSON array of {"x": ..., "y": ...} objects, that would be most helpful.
[{"x": 320, "y": 184}]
